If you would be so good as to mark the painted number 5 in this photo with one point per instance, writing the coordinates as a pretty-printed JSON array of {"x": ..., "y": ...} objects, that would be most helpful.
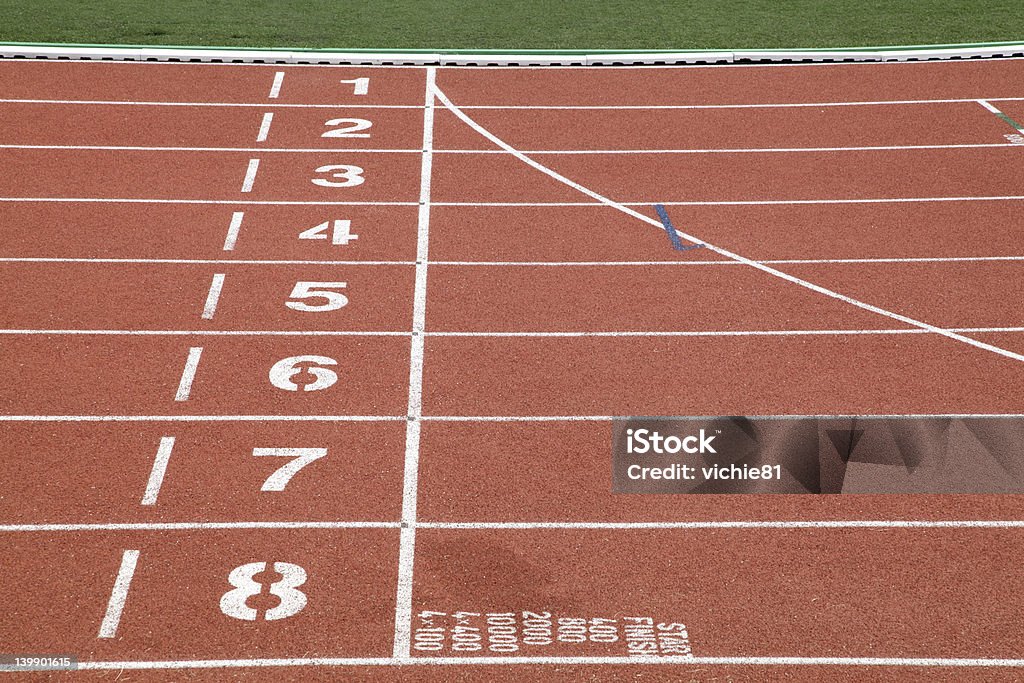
[
  {"x": 317, "y": 290},
  {"x": 242, "y": 578}
]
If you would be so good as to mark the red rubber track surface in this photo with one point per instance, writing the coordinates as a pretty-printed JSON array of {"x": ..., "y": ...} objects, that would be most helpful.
[{"x": 493, "y": 320}]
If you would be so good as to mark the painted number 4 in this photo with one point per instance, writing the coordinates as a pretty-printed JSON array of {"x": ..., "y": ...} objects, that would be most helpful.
[
  {"x": 233, "y": 603},
  {"x": 339, "y": 231}
]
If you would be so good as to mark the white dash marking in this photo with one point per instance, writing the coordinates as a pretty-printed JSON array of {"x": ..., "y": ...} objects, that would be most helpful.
[
  {"x": 265, "y": 127},
  {"x": 213, "y": 296},
  {"x": 232, "y": 236},
  {"x": 156, "y": 475},
  {"x": 118, "y": 596},
  {"x": 275, "y": 89},
  {"x": 188, "y": 374},
  {"x": 250, "y": 175}
]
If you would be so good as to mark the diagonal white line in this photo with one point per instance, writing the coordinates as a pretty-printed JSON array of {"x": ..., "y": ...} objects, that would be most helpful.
[{"x": 724, "y": 252}]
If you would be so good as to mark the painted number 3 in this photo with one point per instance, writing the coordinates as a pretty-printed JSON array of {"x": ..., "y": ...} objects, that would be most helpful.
[{"x": 286, "y": 590}]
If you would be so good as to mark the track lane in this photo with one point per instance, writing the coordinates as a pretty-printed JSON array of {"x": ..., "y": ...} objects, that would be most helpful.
[
  {"x": 699, "y": 85},
  {"x": 142, "y": 126},
  {"x": 205, "y": 83},
  {"x": 887, "y": 375},
  {"x": 703, "y": 129},
  {"x": 211, "y": 474},
  {"x": 512, "y": 473},
  {"x": 182, "y": 231},
  {"x": 142, "y": 375},
  {"x": 204, "y": 175},
  {"x": 744, "y": 177},
  {"x": 178, "y": 297}
]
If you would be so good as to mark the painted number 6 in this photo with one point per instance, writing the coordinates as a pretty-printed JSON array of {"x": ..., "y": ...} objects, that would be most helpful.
[{"x": 284, "y": 370}]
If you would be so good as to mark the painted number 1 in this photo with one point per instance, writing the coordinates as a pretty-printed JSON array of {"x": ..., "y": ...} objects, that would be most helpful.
[{"x": 359, "y": 85}]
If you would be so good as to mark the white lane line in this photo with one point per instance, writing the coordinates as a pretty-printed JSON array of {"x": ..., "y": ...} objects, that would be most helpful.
[
  {"x": 250, "y": 175},
  {"x": 719, "y": 250},
  {"x": 538, "y": 107},
  {"x": 188, "y": 374},
  {"x": 554, "y": 152},
  {"x": 262, "y": 105},
  {"x": 540, "y": 264},
  {"x": 471, "y": 661},
  {"x": 268, "y": 118},
  {"x": 202, "y": 418},
  {"x": 140, "y": 200},
  {"x": 302, "y": 150},
  {"x": 439, "y": 418},
  {"x": 213, "y": 296},
  {"x": 523, "y": 333},
  {"x": 232, "y": 237},
  {"x": 192, "y": 526},
  {"x": 526, "y": 526},
  {"x": 251, "y": 262},
  {"x": 410, "y": 479},
  {"x": 275, "y": 87},
  {"x": 742, "y": 524},
  {"x": 645, "y": 204},
  {"x": 246, "y": 333},
  {"x": 118, "y": 596},
  {"x": 156, "y": 475}
]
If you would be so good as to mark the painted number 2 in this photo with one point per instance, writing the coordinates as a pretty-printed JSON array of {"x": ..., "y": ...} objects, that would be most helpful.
[
  {"x": 245, "y": 585},
  {"x": 347, "y": 128}
]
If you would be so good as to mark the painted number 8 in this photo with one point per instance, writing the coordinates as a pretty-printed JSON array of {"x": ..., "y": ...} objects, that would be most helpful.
[{"x": 293, "y": 600}]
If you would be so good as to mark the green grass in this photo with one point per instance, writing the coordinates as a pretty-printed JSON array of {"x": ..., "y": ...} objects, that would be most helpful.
[{"x": 514, "y": 24}]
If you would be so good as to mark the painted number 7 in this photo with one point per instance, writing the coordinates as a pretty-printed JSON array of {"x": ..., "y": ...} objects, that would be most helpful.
[
  {"x": 282, "y": 475},
  {"x": 359, "y": 85}
]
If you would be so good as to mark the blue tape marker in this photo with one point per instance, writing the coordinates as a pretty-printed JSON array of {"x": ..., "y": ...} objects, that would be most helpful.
[{"x": 677, "y": 244}]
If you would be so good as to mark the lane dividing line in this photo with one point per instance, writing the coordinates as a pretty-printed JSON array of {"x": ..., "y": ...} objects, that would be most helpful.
[
  {"x": 724, "y": 252},
  {"x": 232, "y": 236},
  {"x": 275, "y": 87},
  {"x": 538, "y": 107},
  {"x": 410, "y": 482},
  {"x": 268, "y": 118},
  {"x": 525, "y": 333},
  {"x": 213, "y": 296},
  {"x": 582, "y": 661},
  {"x": 118, "y": 596},
  {"x": 642, "y": 204},
  {"x": 440, "y": 418},
  {"x": 1016, "y": 126},
  {"x": 520, "y": 526},
  {"x": 188, "y": 374},
  {"x": 250, "y": 175},
  {"x": 156, "y": 475},
  {"x": 553, "y": 152}
]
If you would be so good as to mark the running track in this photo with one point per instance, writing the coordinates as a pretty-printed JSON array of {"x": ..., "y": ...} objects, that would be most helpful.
[{"x": 452, "y": 385}]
